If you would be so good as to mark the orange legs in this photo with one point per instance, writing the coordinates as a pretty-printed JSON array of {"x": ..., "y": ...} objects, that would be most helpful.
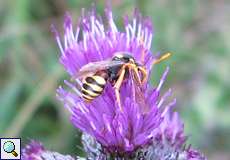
[
  {"x": 121, "y": 77},
  {"x": 136, "y": 69},
  {"x": 144, "y": 74},
  {"x": 117, "y": 86}
]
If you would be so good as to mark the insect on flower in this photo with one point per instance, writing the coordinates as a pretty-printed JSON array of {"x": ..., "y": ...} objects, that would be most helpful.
[
  {"x": 105, "y": 55},
  {"x": 95, "y": 75},
  {"x": 125, "y": 117}
]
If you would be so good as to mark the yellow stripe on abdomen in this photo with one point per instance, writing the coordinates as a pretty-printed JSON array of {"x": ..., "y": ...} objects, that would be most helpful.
[
  {"x": 90, "y": 93},
  {"x": 99, "y": 80},
  {"x": 87, "y": 98},
  {"x": 92, "y": 87}
]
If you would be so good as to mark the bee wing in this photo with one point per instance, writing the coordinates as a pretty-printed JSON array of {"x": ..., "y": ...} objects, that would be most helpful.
[
  {"x": 93, "y": 67},
  {"x": 139, "y": 94}
]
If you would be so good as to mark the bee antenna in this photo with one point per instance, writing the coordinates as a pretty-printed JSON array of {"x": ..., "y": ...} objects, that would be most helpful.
[{"x": 163, "y": 57}]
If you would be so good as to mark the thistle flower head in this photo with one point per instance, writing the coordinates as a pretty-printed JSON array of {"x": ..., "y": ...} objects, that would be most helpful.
[
  {"x": 145, "y": 125},
  {"x": 92, "y": 41},
  {"x": 166, "y": 144},
  {"x": 171, "y": 130},
  {"x": 117, "y": 131}
]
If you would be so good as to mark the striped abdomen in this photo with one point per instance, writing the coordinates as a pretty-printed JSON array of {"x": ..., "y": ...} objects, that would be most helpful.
[{"x": 93, "y": 86}]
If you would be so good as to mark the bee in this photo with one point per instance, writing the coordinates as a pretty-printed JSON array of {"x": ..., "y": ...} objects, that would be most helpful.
[{"x": 95, "y": 75}]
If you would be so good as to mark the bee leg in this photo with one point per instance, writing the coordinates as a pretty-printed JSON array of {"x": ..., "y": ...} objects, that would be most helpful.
[
  {"x": 118, "y": 85},
  {"x": 136, "y": 75},
  {"x": 144, "y": 74}
]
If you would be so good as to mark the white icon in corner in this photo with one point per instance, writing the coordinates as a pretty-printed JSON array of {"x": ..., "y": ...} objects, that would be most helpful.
[{"x": 10, "y": 148}]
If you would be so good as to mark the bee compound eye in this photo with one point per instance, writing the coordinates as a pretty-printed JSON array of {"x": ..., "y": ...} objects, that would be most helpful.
[{"x": 115, "y": 58}]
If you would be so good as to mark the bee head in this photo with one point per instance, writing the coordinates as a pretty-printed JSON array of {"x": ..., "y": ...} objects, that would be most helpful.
[{"x": 124, "y": 57}]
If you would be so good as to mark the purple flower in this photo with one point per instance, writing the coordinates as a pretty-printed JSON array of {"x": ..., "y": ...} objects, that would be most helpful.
[
  {"x": 146, "y": 127},
  {"x": 32, "y": 151},
  {"x": 36, "y": 151},
  {"x": 171, "y": 130},
  {"x": 169, "y": 142},
  {"x": 92, "y": 41},
  {"x": 117, "y": 131}
]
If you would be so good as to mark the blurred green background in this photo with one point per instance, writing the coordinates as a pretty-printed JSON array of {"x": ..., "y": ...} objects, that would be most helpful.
[{"x": 196, "y": 32}]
